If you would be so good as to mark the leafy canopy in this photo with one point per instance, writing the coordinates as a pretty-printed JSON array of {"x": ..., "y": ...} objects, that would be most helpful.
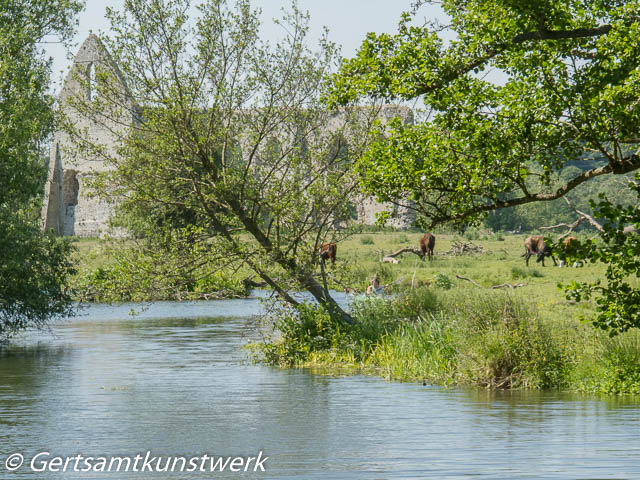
[
  {"x": 34, "y": 266},
  {"x": 512, "y": 90}
]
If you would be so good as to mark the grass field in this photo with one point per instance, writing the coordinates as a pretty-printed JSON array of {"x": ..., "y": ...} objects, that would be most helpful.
[
  {"x": 358, "y": 259},
  {"x": 501, "y": 263}
]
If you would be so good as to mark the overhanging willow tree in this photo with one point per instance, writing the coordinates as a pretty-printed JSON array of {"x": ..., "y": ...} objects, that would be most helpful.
[
  {"x": 229, "y": 137},
  {"x": 563, "y": 84}
]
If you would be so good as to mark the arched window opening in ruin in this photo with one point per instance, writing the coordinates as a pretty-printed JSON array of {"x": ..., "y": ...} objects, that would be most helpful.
[
  {"x": 91, "y": 82},
  {"x": 70, "y": 187}
]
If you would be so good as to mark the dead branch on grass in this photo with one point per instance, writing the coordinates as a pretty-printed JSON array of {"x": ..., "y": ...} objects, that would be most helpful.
[
  {"x": 512, "y": 286},
  {"x": 465, "y": 248}
]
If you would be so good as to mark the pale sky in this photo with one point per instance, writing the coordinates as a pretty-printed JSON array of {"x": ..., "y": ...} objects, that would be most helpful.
[{"x": 348, "y": 22}]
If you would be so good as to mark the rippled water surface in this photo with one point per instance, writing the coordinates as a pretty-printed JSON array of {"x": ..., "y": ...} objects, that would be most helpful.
[{"x": 174, "y": 380}]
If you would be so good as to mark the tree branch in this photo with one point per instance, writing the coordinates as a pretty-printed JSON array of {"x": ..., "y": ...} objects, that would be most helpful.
[
  {"x": 627, "y": 165},
  {"x": 405, "y": 250},
  {"x": 585, "y": 216},
  {"x": 539, "y": 35},
  {"x": 571, "y": 226}
]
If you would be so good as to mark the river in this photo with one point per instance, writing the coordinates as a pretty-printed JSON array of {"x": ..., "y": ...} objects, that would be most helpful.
[{"x": 174, "y": 381}]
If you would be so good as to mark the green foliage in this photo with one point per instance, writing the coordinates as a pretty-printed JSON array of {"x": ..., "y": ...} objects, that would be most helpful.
[
  {"x": 303, "y": 329},
  {"x": 366, "y": 240},
  {"x": 487, "y": 145},
  {"x": 613, "y": 368},
  {"x": 34, "y": 266},
  {"x": 618, "y": 301},
  {"x": 422, "y": 302},
  {"x": 308, "y": 329},
  {"x": 421, "y": 350},
  {"x": 441, "y": 280},
  {"x": 565, "y": 111},
  {"x": 33, "y": 271},
  {"x": 140, "y": 274},
  {"x": 490, "y": 339},
  {"x": 374, "y": 309},
  {"x": 622, "y": 366},
  {"x": 515, "y": 352}
]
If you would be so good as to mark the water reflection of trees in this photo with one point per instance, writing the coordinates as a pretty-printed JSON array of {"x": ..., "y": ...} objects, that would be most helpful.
[
  {"x": 24, "y": 369},
  {"x": 26, "y": 372}
]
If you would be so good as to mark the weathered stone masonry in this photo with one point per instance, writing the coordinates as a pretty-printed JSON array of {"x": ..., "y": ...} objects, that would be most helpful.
[{"x": 68, "y": 208}]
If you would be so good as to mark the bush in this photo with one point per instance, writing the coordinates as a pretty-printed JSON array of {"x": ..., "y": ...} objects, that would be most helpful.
[
  {"x": 366, "y": 240},
  {"x": 515, "y": 353},
  {"x": 441, "y": 280},
  {"x": 418, "y": 303},
  {"x": 135, "y": 276},
  {"x": 303, "y": 329}
]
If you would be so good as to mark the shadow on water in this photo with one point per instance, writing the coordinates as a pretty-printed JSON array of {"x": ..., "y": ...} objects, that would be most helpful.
[{"x": 23, "y": 372}]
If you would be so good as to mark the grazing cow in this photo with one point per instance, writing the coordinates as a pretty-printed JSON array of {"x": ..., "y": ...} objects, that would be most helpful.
[
  {"x": 570, "y": 244},
  {"x": 327, "y": 251},
  {"x": 535, "y": 245},
  {"x": 427, "y": 243}
]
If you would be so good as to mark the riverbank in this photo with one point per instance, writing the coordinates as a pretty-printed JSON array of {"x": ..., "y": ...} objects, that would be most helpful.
[
  {"x": 492, "y": 339},
  {"x": 446, "y": 325},
  {"x": 119, "y": 270}
]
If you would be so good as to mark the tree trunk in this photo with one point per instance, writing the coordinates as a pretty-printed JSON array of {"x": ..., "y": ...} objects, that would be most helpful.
[{"x": 303, "y": 276}]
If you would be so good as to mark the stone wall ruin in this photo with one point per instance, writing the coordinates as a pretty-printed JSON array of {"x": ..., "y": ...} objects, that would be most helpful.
[{"x": 69, "y": 208}]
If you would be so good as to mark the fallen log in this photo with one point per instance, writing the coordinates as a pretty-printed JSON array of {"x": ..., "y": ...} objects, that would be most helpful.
[
  {"x": 509, "y": 285},
  {"x": 469, "y": 280},
  {"x": 417, "y": 251},
  {"x": 502, "y": 285}
]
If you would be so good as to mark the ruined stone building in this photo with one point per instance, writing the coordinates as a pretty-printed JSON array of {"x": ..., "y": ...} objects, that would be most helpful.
[{"x": 69, "y": 209}]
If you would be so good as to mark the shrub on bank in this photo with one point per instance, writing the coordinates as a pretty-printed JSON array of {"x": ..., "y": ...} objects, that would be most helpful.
[
  {"x": 492, "y": 339},
  {"x": 613, "y": 367},
  {"x": 136, "y": 277}
]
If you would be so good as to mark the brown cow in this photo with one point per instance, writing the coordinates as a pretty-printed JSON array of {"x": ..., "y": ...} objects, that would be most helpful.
[
  {"x": 427, "y": 243},
  {"x": 570, "y": 244},
  {"x": 536, "y": 245},
  {"x": 327, "y": 251}
]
